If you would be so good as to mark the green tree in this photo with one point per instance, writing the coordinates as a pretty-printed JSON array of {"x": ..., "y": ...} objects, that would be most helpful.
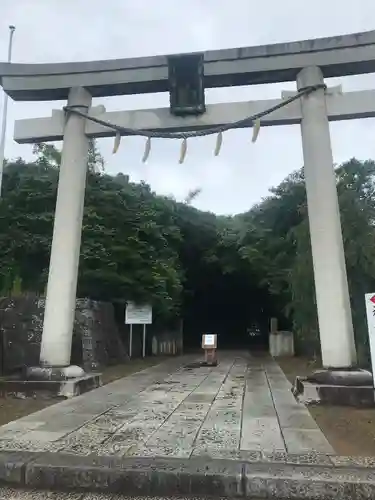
[
  {"x": 217, "y": 272},
  {"x": 129, "y": 235},
  {"x": 280, "y": 227},
  {"x": 49, "y": 156}
]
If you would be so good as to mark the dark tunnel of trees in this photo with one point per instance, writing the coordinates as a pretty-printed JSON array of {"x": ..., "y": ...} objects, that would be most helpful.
[{"x": 219, "y": 274}]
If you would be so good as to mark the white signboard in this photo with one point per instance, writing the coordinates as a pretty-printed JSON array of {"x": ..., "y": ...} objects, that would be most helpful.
[
  {"x": 209, "y": 340},
  {"x": 370, "y": 311},
  {"x": 138, "y": 314}
]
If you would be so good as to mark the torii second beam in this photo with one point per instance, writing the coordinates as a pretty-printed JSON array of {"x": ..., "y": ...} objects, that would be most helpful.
[{"x": 340, "y": 106}]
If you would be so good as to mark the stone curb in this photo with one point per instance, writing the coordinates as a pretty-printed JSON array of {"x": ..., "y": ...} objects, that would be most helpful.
[{"x": 347, "y": 479}]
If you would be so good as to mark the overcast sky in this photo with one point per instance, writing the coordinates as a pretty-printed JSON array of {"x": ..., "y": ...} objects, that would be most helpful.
[{"x": 78, "y": 30}]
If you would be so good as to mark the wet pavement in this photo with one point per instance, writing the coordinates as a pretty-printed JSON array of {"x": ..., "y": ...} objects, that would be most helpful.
[{"x": 236, "y": 410}]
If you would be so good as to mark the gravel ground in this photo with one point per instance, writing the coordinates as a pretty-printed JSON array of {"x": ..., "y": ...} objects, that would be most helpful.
[
  {"x": 13, "y": 408},
  {"x": 350, "y": 431}
]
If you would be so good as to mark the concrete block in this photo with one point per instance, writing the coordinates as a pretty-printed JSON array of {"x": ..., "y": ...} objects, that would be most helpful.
[
  {"x": 310, "y": 483},
  {"x": 11, "y": 466},
  {"x": 281, "y": 344},
  {"x": 340, "y": 395},
  {"x": 146, "y": 476},
  {"x": 50, "y": 388}
]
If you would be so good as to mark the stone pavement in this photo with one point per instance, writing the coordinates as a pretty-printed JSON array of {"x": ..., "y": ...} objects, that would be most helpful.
[
  {"x": 12, "y": 494},
  {"x": 241, "y": 408}
]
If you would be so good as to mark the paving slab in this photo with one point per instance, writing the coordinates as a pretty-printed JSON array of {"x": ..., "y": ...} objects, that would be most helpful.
[
  {"x": 22, "y": 494},
  {"x": 13, "y": 494},
  {"x": 144, "y": 476},
  {"x": 244, "y": 405},
  {"x": 252, "y": 477},
  {"x": 234, "y": 430},
  {"x": 305, "y": 440}
]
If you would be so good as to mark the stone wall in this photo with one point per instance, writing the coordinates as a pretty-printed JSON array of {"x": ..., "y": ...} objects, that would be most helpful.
[
  {"x": 95, "y": 325},
  {"x": 21, "y": 326},
  {"x": 96, "y": 342}
]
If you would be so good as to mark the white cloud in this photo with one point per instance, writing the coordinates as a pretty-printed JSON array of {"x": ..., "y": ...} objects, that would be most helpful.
[{"x": 52, "y": 30}]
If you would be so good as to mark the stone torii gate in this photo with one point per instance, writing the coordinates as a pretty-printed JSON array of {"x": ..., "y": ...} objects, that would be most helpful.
[{"x": 307, "y": 62}]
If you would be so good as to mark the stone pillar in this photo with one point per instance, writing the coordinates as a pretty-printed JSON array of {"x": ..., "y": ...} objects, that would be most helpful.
[
  {"x": 65, "y": 252},
  {"x": 331, "y": 284}
]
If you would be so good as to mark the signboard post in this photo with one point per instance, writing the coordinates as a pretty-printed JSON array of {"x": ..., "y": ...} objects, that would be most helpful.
[
  {"x": 138, "y": 314},
  {"x": 370, "y": 313},
  {"x": 209, "y": 344},
  {"x": 144, "y": 342},
  {"x": 130, "y": 340}
]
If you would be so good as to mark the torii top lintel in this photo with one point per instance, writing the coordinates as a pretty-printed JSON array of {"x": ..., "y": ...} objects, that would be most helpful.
[{"x": 336, "y": 56}]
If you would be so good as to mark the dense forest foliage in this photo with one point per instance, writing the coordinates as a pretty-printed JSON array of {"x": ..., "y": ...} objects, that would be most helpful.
[{"x": 188, "y": 263}]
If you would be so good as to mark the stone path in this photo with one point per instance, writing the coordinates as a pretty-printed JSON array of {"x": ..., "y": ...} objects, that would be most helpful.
[
  {"x": 238, "y": 409},
  {"x": 12, "y": 494}
]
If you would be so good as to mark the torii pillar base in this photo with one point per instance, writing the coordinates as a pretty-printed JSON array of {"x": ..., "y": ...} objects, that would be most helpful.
[
  {"x": 50, "y": 383},
  {"x": 333, "y": 387}
]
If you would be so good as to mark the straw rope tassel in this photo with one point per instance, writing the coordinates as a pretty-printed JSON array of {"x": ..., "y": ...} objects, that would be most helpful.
[
  {"x": 256, "y": 129},
  {"x": 183, "y": 150},
  {"x": 146, "y": 154},
  {"x": 116, "y": 144},
  {"x": 219, "y": 142}
]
